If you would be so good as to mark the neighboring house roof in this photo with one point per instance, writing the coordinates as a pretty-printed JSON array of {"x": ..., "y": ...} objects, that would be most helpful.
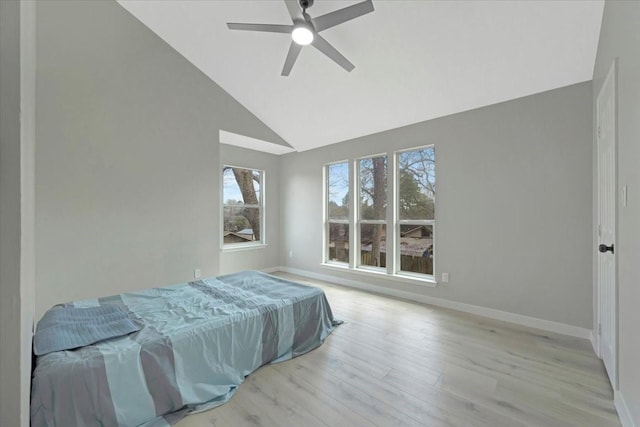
[
  {"x": 248, "y": 231},
  {"x": 408, "y": 246},
  {"x": 248, "y": 237},
  {"x": 404, "y": 233}
]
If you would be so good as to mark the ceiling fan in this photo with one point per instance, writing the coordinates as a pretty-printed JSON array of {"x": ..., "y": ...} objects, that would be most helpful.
[{"x": 305, "y": 30}]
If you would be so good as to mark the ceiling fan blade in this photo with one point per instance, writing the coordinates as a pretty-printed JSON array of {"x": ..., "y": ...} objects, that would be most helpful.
[
  {"x": 343, "y": 15},
  {"x": 269, "y": 28},
  {"x": 294, "y": 10},
  {"x": 294, "y": 51},
  {"x": 323, "y": 46}
]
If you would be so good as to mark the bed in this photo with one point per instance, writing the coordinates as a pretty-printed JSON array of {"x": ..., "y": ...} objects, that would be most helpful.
[{"x": 197, "y": 342}]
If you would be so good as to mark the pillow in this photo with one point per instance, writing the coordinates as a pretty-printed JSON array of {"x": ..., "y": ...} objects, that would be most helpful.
[{"x": 66, "y": 328}]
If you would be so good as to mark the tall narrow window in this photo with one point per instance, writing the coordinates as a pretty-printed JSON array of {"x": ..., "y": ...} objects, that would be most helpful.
[
  {"x": 372, "y": 211},
  {"x": 243, "y": 206},
  {"x": 416, "y": 189},
  {"x": 337, "y": 212}
]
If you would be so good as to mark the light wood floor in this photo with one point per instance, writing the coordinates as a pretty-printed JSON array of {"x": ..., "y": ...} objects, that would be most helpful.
[{"x": 396, "y": 363}]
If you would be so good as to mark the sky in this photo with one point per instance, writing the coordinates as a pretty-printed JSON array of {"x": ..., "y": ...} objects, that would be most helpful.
[
  {"x": 230, "y": 188},
  {"x": 338, "y": 182},
  {"x": 339, "y": 177}
]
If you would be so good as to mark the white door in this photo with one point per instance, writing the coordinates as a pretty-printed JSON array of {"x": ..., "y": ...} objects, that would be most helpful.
[{"x": 607, "y": 288}]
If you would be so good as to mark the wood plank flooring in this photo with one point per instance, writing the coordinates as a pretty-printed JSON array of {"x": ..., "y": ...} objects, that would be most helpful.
[{"x": 397, "y": 363}]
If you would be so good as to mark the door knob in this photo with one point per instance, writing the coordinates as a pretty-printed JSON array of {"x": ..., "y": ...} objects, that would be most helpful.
[{"x": 604, "y": 248}]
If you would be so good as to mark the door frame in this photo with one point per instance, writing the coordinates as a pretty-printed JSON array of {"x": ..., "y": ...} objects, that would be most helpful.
[{"x": 611, "y": 76}]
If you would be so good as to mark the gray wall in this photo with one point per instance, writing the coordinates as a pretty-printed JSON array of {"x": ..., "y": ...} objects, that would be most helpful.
[
  {"x": 620, "y": 38},
  {"x": 10, "y": 213},
  {"x": 17, "y": 103},
  {"x": 513, "y": 211},
  {"x": 127, "y": 159},
  {"x": 264, "y": 256}
]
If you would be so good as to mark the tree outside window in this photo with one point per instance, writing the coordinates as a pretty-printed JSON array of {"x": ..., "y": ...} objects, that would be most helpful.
[
  {"x": 373, "y": 211},
  {"x": 243, "y": 205},
  {"x": 416, "y": 209},
  {"x": 337, "y": 190},
  {"x": 412, "y": 198}
]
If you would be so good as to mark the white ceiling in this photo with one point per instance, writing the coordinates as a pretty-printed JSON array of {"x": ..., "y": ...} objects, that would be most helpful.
[{"x": 415, "y": 60}]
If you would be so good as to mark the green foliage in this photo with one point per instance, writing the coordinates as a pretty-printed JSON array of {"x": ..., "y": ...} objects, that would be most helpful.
[
  {"x": 413, "y": 203},
  {"x": 239, "y": 223},
  {"x": 338, "y": 212},
  {"x": 235, "y": 220}
]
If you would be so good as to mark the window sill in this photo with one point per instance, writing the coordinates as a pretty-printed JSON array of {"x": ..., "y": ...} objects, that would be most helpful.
[
  {"x": 242, "y": 247},
  {"x": 428, "y": 281}
]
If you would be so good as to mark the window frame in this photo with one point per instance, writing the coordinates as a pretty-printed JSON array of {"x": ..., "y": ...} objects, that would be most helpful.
[
  {"x": 416, "y": 222},
  {"x": 392, "y": 223},
  {"x": 228, "y": 247},
  {"x": 358, "y": 217},
  {"x": 327, "y": 219}
]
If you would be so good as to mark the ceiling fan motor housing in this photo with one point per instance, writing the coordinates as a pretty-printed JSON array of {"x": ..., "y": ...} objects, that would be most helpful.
[
  {"x": 304, "y": 4},
  {"x": 305, "y": 29}
]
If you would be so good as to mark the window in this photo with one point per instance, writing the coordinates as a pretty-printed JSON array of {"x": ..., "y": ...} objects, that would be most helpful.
[
  {"x": 391, "y": 230},
  {"x": 416, "y": 189},
  {"x": 243, "y": 206},
  {"x": 372, "y": 211},
  {"x": 337, "y": 223}
]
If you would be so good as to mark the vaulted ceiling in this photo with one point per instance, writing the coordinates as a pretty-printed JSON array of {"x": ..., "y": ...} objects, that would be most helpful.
[{"x": 415, "y": 60}]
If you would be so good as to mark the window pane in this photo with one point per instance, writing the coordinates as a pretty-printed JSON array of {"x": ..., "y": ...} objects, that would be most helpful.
[
  {"x": 417, "y": 184},
  {"x": 373, "y": 188},
  {"x": 241, "y": 225},
  {"x": 338, "y": 190},
  {"x": 339, "y": 242},
  {"x": 241, "y": 186},
  {"x": 373, "y": 248},
  {"x": 416, "y": 248}
]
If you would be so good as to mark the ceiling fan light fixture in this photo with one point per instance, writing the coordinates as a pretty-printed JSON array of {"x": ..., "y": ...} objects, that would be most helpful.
[
  {"x": 306, "y": 30},
  {"x": 302, "y": 35}
]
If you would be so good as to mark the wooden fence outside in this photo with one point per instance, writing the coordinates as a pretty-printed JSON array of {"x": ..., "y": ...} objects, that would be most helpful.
[{"x": 416, "y": 264}]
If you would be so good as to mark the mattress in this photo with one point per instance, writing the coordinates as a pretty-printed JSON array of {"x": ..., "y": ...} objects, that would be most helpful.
[{"x": 196, "y": 344}]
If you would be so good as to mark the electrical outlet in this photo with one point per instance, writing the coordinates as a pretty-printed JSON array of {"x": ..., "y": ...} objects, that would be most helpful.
[
  {"x": 445, "y": 277},
  {"x": 197, "y": 273}
]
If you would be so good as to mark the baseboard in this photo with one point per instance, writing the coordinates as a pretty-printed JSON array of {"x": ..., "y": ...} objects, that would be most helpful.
[
  {"x": 594, "y": 343},
  {"x": 623, "y": 410},
  {"x": 271, "y": 269},
  {"x": 532, "y": 322}
]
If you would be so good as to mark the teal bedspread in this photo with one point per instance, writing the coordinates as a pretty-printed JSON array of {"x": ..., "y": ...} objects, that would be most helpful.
[
  {"x": 197, "y": 343},
  {"x": 67, "y": 328}
]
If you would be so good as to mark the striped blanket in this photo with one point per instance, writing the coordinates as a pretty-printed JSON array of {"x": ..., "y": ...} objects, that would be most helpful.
[{"x": 197, "y": 343}]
